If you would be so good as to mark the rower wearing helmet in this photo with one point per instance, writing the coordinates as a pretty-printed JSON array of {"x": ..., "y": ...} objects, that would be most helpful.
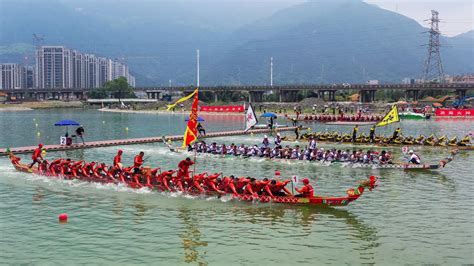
[
  {"x": 306, "y": 191},
  {"x": 414, "y": 158}
]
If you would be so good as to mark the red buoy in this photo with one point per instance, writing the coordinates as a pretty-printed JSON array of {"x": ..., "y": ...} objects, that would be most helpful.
[
  {"x": 277, "y": 172},
  {"x": 63, "y": 217}
]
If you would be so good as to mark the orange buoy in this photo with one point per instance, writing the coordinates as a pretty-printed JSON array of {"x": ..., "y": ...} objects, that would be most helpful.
[{"x": 63, "y": 217}]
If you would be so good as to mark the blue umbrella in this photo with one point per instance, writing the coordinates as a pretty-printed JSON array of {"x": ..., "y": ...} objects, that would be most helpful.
[
  {"x": 271, "y": 115},
  {"x": 67, "y": 123},
  {"x": 200, "y": 119}
]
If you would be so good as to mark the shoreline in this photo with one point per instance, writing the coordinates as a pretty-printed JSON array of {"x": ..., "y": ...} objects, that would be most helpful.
[{"x": 162, "y": 112}]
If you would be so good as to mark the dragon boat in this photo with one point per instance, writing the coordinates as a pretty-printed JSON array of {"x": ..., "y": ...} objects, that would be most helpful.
[
  {"x": 387, "y": 141},
  {"x": 147, "y": 181},
  {"x": 405, "y": 166}
]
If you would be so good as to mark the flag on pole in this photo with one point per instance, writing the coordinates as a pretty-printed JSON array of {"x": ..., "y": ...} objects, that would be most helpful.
[
  {"x": 185, "y": 98},
  {"x": 250, "y": 118},
  {"x": 190, "y": 135},
  {"x": 390, "y": 117}
]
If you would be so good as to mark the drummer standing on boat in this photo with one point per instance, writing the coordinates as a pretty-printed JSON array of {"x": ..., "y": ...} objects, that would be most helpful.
[
  {"x": 37, "y": 155},
  {"x": 372, "y": 134},
  {"x": 138, "y": 162},
  {"x": 183, "y": 168},
  {"x": 354, "y": 133}
]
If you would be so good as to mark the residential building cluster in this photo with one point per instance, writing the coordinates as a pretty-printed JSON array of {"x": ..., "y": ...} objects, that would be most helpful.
[{"x": 61, "y": 67}]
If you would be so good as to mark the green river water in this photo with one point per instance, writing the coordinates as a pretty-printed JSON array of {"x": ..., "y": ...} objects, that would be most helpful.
[{"x": 417, "y": 217}]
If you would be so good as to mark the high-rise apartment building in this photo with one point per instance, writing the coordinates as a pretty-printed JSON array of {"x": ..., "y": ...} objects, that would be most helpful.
[
  {"x": 60, "y": 67},
  {"x": 51, "y": 68},
  {"x": 10, "y": 76}
]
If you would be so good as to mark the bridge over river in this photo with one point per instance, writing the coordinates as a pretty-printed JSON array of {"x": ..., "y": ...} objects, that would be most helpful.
[{"x": 286, "y": 93}]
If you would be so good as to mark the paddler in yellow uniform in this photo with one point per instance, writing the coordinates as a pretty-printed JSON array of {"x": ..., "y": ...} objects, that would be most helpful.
[
  {"x": 372, "y": 134},
  {"x": 354, "y": 133},
  {"x": 395, "y": 134},
  {"x": 465, "y": 141}
]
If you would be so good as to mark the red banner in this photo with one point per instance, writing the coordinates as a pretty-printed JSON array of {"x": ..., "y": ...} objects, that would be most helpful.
[
  {"x": 191, "y": 130},
  {"x": 455, "y": 112},
  {"x": 224, "y": 109}
]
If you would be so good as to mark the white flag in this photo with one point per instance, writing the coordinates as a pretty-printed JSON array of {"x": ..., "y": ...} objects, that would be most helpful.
[{"x": 250, "y": 118}]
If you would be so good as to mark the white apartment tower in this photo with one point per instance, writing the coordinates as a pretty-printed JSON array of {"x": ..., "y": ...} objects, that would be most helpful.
[
  {"x": 10, "y": 76},
  {"x": 59, "y": 67}
]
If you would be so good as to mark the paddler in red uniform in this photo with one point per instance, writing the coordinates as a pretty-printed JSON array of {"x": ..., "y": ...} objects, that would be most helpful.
[
  {"x": 37, "y": 156},
  {"x": 241, "y": 183},
  {"x": 196, "y": 182},
  {"x": 249, "y": 187},
  {"x": 138, "y": 163},
  {"x": 306, "y": 191},
  {"x": 118, "y": 160},
  {"x": 275, "y": 188},
  {"x": 183, "y": 168},
  {"x": 164, "y": 178},
  {"x": 258, "y": 185},
  {"x": 224, "y": 183},
  {"x": 210, "y": 182}
]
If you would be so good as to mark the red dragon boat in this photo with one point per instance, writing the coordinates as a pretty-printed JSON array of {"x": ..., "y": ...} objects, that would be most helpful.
[{"x": 145, "y": 180}]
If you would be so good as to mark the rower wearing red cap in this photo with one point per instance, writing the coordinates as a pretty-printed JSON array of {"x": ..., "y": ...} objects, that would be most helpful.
[
  {"x": 306, "y": 191},
  {"x": 37, "y": 156},
  {"x": 118, "y": 160}
]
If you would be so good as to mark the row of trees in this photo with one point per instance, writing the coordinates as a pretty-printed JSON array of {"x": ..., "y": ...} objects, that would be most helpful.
[{"x": 117, "y": 88}]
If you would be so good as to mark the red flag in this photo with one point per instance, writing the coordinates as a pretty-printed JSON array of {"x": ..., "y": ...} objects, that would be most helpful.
[{"x": 190, "y": 135}]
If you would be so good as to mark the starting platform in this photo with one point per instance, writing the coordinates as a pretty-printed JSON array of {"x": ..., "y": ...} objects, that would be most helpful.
[{"x": 108, "y": 143}]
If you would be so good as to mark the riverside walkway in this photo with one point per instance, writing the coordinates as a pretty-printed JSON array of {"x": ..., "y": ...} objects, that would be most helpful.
[{"x": 107, "y": 143}]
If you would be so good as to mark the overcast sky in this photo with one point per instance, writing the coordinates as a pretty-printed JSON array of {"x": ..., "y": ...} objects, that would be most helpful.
[{"x": 457, "y": 15}]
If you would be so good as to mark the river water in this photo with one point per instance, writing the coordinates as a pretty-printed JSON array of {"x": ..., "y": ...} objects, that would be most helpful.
[{"x": 410, "y": 218}]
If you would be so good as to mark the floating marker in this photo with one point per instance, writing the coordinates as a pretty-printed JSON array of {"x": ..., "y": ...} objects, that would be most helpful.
[
  {"x": 126, "y": 129},
  {"x": 36, "y": 124},
  {"x": 309, "y": 128},
  {"x": 277, "y": 172},
  {"x": 38, "y": 133},
  {"x": 34, "y": 119},
  {"x": 103, "y": 122},
  {"x": 63, "y": 218}
]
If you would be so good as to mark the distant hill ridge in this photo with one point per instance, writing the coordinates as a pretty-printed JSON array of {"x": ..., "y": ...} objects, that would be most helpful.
[{"x": 310, "y": 42}]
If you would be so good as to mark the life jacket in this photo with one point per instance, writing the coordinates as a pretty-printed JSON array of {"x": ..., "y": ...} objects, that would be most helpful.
[{"x": 308, "y": 191}]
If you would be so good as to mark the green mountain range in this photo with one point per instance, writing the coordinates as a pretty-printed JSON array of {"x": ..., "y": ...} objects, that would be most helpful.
[{"x": 310, "y": 41}]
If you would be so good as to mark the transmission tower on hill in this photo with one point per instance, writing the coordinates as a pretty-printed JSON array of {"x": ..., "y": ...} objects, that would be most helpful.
[{"x": 433, "y": 66}]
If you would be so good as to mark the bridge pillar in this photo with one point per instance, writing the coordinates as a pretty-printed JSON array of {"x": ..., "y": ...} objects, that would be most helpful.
[
  {"x": 332, "y": 95},
  {"x": 321, "y": 94},
  {"x": 148, "y": 95},
  {"x": 255, "y": 96},
  {"x": 288, "y": 96},
  {"x": 412, "y": 94}
]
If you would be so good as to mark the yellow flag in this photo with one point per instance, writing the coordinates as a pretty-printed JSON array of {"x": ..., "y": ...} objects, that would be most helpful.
[
  {"x": 185, "y": 98},
  {"x": 390, "y": 117}
]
